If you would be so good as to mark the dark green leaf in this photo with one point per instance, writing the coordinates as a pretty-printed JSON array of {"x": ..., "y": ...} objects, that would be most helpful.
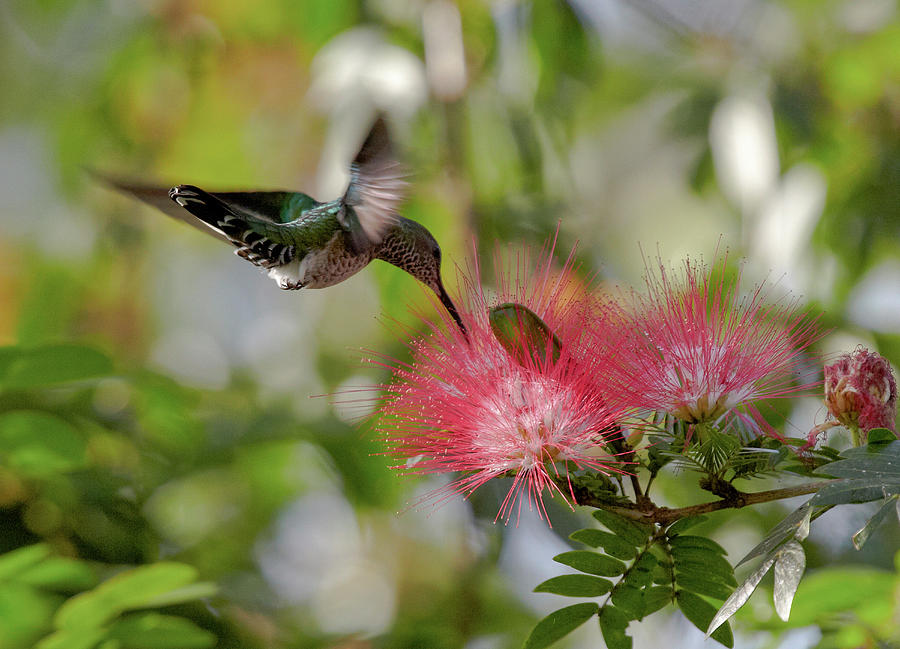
[
  {"x": 50, "y": 365},
  {"x": 575, "y": 586},
  {"x": 696, "y": 542},
  {"x": 613, "y": 624},
  {"x": 875, "y": 462},
  {"x": 628, "y": 599},
  {"x": 613, "y": 545},
  {"x": 683, "y": 525},
  {"x": 702, "y": 586},
  {"x": 559, "y": 624},
  {"x": 629, "y": 531},
  {"x": 880, "y": 436},
  {"x": 656, "y": 598},
  {"x": 706, "y": 565},
  {"x": 155, "y": 631},
  {"x": 888, "y": 507},
  {"x": 701, "y": 613},
  {"x": 591, "y": 563},
  {"x": 524, "y": 335}
]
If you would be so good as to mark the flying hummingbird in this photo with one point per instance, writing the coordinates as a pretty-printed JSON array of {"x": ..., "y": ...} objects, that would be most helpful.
[{"x": 303, "y": 243}]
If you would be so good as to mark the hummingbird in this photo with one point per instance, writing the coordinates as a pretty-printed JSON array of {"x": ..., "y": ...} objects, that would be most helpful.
[{"x": 302, "y": 243}]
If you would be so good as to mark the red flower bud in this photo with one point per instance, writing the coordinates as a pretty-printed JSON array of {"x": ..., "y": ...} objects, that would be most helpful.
[{"x": 861, "y": 393}]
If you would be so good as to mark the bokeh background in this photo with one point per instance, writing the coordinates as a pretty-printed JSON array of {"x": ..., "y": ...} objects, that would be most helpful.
[{"x": 770, "y": 129}]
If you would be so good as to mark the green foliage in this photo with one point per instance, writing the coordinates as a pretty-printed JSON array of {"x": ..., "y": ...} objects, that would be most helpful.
[{"x": 559, "y": 624}]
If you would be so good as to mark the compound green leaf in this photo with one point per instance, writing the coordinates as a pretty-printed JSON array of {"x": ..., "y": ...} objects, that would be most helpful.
[
  {"x": 591, "y": 563},
  {"x": 575, "y": 586},
  {"x": 559, "y": 624}
]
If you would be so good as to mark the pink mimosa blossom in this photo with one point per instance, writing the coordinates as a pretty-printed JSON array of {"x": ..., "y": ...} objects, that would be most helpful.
[
  {"x": 861, "y": 393},
  {"x": 703, "y": 353},
  {"x": 466, "y": 404}
]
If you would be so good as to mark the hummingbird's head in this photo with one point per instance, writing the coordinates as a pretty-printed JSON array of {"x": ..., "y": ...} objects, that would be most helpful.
[{"x": 412, "y": 248}]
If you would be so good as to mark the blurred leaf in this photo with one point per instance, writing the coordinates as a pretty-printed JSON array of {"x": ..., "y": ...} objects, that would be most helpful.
[
  {"x": 789, "y": 566},
  {"x": 559, "y": 624},
  {"x": 198, "y": 590},
  {"x": 22, "y": 368},
  {"x": 16, "y": 562},
  {"x": 889, "y": 506},
  {"x": 59, "y": 573},
  {"x": 25, "y": 614},
  {"x": 155, "y": 631},
  {"x": 575, "y": 586},
  {"x": 524, "y": 335},
  {"x": 701, "y": 613},
  {"x": 591, "y": 562},
  {"x": 133, "y": 588},
  {"x": 830, "y": 591},
  {"x": 613, "y": 624},
  {"x": 72, "y": 639},
  {"x": 612, "y": 544},
  {"x": 40, "y": 444}
]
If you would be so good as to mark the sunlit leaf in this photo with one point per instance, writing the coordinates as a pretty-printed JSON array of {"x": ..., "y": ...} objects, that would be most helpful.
[
  {"x": 559, "y": 624},
  {"x": 789, "y": 566},
  {"x": 794, "y": 525},
  {"x": 889, "y": 506},
  {"x": 740, "y": 596}
]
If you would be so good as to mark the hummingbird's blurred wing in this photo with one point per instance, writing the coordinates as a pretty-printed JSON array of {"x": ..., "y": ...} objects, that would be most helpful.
[
  {"x": 376, "y": 190},
  {"x": 159, "y": 198}
]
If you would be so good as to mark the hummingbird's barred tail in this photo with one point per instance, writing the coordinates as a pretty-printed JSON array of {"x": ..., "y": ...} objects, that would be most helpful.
[{"x": 251, "y": 245}]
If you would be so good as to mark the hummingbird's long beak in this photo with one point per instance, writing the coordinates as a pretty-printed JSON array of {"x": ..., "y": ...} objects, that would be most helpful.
[{"x": 451, "y": 308}]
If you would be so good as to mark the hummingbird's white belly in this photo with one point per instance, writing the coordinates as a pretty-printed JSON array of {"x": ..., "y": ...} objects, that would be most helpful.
[{"x": 320, "y": 268}]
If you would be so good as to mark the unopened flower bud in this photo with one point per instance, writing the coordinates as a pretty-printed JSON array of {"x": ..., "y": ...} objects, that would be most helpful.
[{"x": 861, "y": 393}]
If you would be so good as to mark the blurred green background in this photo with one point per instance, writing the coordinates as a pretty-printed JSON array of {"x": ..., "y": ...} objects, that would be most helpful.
[{"x": 155, "y": 394}]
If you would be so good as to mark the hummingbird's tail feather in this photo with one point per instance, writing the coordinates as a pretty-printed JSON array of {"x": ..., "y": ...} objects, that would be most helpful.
[
  {"x": 157, "y": 197},
  {"x": 377, "y": 187},
  {"x": 242, "y": 231}
]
